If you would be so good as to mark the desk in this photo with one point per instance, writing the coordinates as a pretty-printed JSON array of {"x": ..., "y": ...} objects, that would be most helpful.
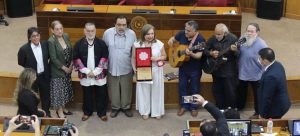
[
  {"x": 166, "y": 24},
  {"x": 278, "y": 124},
  {"x": 44, "y": 122}
]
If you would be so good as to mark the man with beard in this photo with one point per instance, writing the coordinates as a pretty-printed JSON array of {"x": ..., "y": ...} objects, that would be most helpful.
[
  {"x": 250, "y": 70},
  {"x": 190, "y": 71},
  {"x": 90, "y": 58},
  {"x": 119, "y": 40},
  {"x": 225, "y": 75}
]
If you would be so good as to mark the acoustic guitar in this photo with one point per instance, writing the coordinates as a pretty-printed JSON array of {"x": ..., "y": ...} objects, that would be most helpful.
[
  {"x": 177, "y": 53},
  {"x": 211, "y": 64}
]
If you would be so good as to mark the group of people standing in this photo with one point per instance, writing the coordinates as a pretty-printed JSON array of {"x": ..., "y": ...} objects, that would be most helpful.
[
  {"x": 106, "y": 67},
  {"x": 238, "y": 64}
]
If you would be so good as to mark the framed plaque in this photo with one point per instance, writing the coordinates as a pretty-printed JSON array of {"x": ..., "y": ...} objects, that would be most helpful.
[{"x": 143, "y": 64}]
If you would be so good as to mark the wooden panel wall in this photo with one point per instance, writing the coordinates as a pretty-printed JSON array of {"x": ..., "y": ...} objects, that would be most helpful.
[
  {"x": 8, "y": 83},
  {"x": 292, "y": 9},
  {"x": 248, "y": 5}
]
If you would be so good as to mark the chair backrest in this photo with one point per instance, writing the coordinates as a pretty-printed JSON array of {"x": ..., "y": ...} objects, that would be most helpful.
[
  {"x": 52, "y": 1},
  {"x": 139, "y": 2},
  {"x": 214, "y": 3},
  {"x": 82, "y": 2},
  {"x": 231, "y": 2}
]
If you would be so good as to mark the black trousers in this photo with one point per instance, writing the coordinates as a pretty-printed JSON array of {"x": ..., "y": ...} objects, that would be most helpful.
[
  {"x": 242, "y": 94},
  {"x": 224, "y": 91},
  {"x": 42, "y": 86},
  {"x": 101, "y": 98}
]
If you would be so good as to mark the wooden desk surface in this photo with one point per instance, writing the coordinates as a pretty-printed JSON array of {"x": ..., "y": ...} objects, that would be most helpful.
[{"x": 128, "y": 9}]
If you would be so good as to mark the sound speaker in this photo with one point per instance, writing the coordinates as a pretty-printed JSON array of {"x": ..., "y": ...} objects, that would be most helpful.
[
  {"x": 19, "y": 8},
  {"x": 269, "y": 9}
]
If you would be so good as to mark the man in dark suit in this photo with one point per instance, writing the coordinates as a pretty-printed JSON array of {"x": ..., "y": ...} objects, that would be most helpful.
[
  {"x": 34, "y": 54},
  {"x": 273, "y": 98},
  {"x": 208, "y": 128}
]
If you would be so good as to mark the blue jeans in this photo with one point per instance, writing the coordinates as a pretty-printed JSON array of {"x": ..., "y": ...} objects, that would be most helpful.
[{"x": 191, "y": 79}]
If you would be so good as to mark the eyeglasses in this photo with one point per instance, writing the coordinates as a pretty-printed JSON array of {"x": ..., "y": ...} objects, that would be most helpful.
[{"x": 35, "y": 36}]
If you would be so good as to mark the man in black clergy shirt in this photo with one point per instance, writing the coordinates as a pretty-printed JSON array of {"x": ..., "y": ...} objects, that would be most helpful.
[
  {"x": 34, "y": 54},
  {"x": 225, "y": 75}
]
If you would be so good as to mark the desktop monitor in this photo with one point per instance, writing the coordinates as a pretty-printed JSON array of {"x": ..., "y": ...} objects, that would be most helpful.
[
  {"x": 239, "y": 127},
  {"x": 80, "y": 9},
  {"x": 153, "y": 11},
  {"x": 294, "y": 127}
]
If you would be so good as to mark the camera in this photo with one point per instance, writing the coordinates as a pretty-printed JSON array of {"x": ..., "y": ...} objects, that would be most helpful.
[
  {"x": 25, "y": 119},
  {"x": 189, "y": 99},
  {"x": 64, "y": 130},
  {"x": 58, "y": 130}
]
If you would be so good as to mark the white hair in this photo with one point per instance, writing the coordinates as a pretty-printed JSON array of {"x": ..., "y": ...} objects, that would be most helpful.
[{"x": 222, "y": 27}]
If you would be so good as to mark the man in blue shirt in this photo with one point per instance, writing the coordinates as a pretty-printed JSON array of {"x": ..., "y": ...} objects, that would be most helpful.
[
  {"x": 250, "y": 70},
  {"x": 190, "y": 71}
]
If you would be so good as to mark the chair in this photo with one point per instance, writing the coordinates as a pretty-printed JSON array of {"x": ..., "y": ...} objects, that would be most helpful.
[
  {"x": 79, "y": 2},
  {"x": 231, "y": 2},
  {"x": 213, "y": 3},
  {"x": 137, "y": 2},
  {"x": 51, "y": 1}
]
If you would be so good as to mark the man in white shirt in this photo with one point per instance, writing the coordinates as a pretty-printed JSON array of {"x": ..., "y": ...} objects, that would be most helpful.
[
  {"x": 90, "y": 57},
  {"x": 34, "y": 54}
]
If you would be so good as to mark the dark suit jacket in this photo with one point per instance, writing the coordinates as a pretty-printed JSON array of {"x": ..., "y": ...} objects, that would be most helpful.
[
  {"x": 28, "y": 103},
  {"x": 221, "y": 122},
  {"x": 27, "y": 59},
  {"x": 57, "y": 57},
  {"x": 273, "y": 98}
]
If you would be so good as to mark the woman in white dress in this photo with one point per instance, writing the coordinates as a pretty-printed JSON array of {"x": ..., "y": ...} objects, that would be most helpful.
[{"x": 150, "y": 95}]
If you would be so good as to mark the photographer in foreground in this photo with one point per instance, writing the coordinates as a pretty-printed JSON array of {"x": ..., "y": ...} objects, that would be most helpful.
[
  {"x": 207, "y": 127},
  {"x": 35, "y": 124},
  {"x": 26, "y": 98},
  {"x": 12, "y": 125}
]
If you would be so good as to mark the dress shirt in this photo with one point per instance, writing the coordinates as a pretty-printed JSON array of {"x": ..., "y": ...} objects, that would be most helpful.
[
  {"x": 266, "y": 68},
  {"x": 119, "y": 47},
  {"x": 249, "y": 67},
  {"x": 91, "y": 68},
  {"x": 37, "y": 51}
]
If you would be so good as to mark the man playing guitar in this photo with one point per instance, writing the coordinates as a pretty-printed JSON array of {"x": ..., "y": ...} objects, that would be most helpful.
[
  {"x": 190, "y": 71},
  {"x": 226, "y": 72}
]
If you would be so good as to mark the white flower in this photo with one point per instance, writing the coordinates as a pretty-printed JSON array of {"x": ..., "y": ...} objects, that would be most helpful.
[{"x": 143, "y": 56}]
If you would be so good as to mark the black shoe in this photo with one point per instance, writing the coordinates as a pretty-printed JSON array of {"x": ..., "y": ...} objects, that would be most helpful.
[
  {"x": 128, "y": 113},
  {"x": 59, "y": 116},
  {"x": 67, "y": 112},
  {"x": 114, "y": 113}
]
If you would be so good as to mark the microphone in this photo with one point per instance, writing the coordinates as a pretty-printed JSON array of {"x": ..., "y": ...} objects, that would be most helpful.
[{"x": 244, "y": 36}]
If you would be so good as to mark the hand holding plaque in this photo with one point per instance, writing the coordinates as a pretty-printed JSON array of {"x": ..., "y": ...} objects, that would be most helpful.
[{"x": 143, "y": 64}]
